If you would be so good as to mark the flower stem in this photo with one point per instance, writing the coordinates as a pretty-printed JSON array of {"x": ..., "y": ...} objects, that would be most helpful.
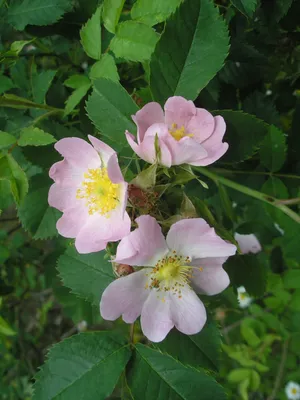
[{"x": 249, "y": 192}]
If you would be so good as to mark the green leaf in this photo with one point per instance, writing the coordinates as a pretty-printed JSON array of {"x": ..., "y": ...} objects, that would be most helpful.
[
  {"x": 40, "y": 84},
  {"x": 295, "y": 301},
  {"x": 76, "y": 81},
  {"x": 6, "y": 140},
  {"x": 244, "y": 133},
  {"x": 87, "y": 275},
  {"x": 11, "y": 171},
  {"x": 190, "y": 52},
  {"x": 76, "y": 97},
  {"x": 33, "y": 136},
  {"x": 202, "y": 349},
  {"x": 168, "y": 378},
  {"x": 5, "y": 329},
  {"x": 105, "y": 68},
  {"x": 17, "y": 46},
  {"x": 272, "y": 150},
  {"x": 35, "y": 214},
  {"x": 111, "y": 13},
  {"x": 246, "y": 7},
  {"x": 291, "y": 279},
  {"x": 151, "y": 12},
  {"x": 90, "y": 35},
  {"x": 134, "y": 41},
  {"x": 36, "y": 12},
  {"x": 247, "y": 270},
  {"x": 85, "y": 366},
  {"x": 116, "y": 109},
  {"x": 146, "y": 179},
  {"x": 5, "y": 84}
]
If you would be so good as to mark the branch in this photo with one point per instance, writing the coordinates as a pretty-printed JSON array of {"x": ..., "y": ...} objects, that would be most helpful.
[{"x": 280, "y": 371}]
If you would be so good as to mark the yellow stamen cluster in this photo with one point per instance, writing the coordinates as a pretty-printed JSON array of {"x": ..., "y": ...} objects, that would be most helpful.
[
  {"x": 294, "y": 391},
  {"x": 178, "y": 133},
  {"x": 101, "y": 195},
  {"x": 171, "y": 274}
]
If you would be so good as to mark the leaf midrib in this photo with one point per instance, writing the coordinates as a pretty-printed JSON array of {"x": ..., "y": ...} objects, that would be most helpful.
[{"x": 30, "y": 10}]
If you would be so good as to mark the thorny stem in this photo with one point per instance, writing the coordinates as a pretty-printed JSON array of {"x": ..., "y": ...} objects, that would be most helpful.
[
  {"x": 280, "y": 371},
  {"x": 250, "y": 192}
]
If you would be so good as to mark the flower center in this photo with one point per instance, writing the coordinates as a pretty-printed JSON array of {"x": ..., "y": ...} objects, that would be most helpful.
[
  {"x": 294, "y": 391},
  {"x": 171, "y": 274},
  {"x": 243, "y": 296},
  {"x": 100, "y": 193},
  {"x": 178, "y": 133}
]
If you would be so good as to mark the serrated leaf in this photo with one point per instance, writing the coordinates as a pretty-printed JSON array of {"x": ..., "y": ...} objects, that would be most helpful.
[
  {"x": 40, "y": 84},
  {"x": 134, "y": 41},
  {"x": 17, "y": 46},
  {"x": 36, "y": 216},
  {"x": 111, "y": 13},
  {"x": 33, "y": 136},
  {"x": 272, "y": 150},
  {"x": 291, "y": 279},
  {"x": 76, "y": 81},
  {"x": 36, "y": 12},
  {"x": 11, "y": 171},
  {"x": 262, "y": 107},
  {"x": 168, "y": 378},
  {"x": 191, "y": 51},
  {"x": 5, "y": 84},
  {"x": 201, "y": 350},
  {"x": 85, "y": 366},
  {"x": 76, "y": 97},
  {"x": 244, "y": 133},
  {"x": 151, "y": 12},
  {"x": 6, "y": 140},
  {"x": 247, "y": 270},
  {"x": 116, "y": 109},
  {"x": 90, "y": 35},
  {"x": 105, "y": 68},
  {"x": 246, "y": 7},
  {"x": 87, "y": 275}
]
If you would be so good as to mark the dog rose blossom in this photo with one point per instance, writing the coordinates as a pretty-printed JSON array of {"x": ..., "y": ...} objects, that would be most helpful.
[
  {"x": 292, "y": 391},
  {"x": 243, "y": 297},
  {"x": 91, "y": 192},
  {"x": 185, "y": 134},
  {"x": 248, "y": 243},
  {"x": 189, "y": 260}
]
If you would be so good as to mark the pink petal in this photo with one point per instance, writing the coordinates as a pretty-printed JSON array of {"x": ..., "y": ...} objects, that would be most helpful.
[
  {"x": 188, "y": 312},
  {"x": 63, "y": 197},
  {"x": 64, "y": 173},
  {"x": 113, "y": 169},
  {"x": 156, "y": 320},
  {"x": 72, "y": 221},
  {"x": 78, "y": 152},
  {"x": 211, "y": 279},
  {"x": 179, "y": 111},
  {"x": 102, "y": 148},
  {"x": 126, "y": 297},
  {"x": 150, "y": 114},
  {"x": 248, "y": 243},
  {"x": 213, "y": 145},
  {"x": 100, "y": 229},
  {"x": 201, "y": 125},
  {"x": 185, "y": 150},
  {"x": 194, "y": 238},
  {"x": 144, "y": 246}
]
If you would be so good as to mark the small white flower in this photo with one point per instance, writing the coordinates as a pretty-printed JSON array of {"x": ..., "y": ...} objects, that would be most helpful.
[
  {"x": 84, "y": 65},
  {"x": 243, "y": 297},
  {"x": 82, "y": 326},
  {"x": 268, "y": 92},
  {"x": 292, "y": 391}
]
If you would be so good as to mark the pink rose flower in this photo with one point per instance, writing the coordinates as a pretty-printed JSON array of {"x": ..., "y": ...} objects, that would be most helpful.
[
  {"x": 248, "y": 243},
  {"x": 189, "y": 260},
  {"x": 186, "y": 134},
  {"x": 91, "y": 192}
]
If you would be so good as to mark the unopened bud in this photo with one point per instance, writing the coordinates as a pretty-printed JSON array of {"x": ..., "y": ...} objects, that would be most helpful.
[{"x": 123, "y": 270}]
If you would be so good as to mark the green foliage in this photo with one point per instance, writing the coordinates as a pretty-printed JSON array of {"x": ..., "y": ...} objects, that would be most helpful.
[
  {"x": 273, "y": 149},
  {"x": 86, "y": 274},
  {"x": 36, "y": 12},
  {"x": 33, "y": 136},
  {"x": 90, "y": 35},
  {"x": 11, "y": 171},
  {"x": 105, "y": 68},
  {"x": 111, "y": 13},
  {"x": 168, "y": 378},
  {"x": 247, "y": 7},
  {"x": 134, "y": 41},
  {"x": 6, "y": 140},
  {"x": 117, "y": 108},
  {"x": 5, "y": 84},
  {"x": 151, "y": 12},
  {"x": 89, "y": 360},
  {"x": 186, "y": 59}
]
